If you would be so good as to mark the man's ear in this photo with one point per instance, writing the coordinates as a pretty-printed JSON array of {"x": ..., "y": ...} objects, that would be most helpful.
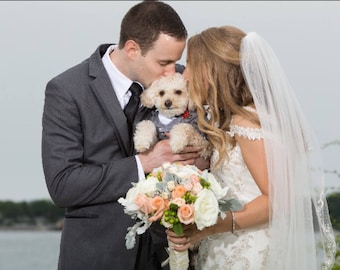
[{"x": 132, "y": 48}]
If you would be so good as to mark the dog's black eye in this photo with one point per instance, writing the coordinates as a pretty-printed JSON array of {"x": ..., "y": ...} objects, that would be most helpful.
[
  {"x": 178, "y": 92},
  {"x": 161, "y": 93}
]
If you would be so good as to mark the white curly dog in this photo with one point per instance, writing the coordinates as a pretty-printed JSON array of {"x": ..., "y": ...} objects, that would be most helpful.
[{"x": 173, "y": 113}]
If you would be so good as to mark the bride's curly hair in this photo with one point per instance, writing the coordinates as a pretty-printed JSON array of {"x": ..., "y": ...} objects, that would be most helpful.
[{"x": 216, "y": 80}]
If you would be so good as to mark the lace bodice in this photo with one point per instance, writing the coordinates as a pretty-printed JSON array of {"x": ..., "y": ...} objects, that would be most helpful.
[
  {"x": 246, "y": 249},
  {"x": 232, "y": 171}
]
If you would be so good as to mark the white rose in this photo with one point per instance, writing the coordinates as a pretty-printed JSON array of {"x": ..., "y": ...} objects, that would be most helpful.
[
  {"x": 131, "y": 194},
  {"x": 182, "y": 175},
  {"x": 216, "y": 187},
  {"x": 172, "y": 169},
  {"x": 186, "y": 171},
  {"x": 165, "y": 165},
  {"x": 129, "y": 201},
  {"x": 206, "y": 209},
  {"x": 147, "y": 186}
]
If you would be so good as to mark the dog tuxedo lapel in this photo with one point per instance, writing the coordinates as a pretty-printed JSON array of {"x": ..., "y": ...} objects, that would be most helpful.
[{"x": 164, "y": 124}]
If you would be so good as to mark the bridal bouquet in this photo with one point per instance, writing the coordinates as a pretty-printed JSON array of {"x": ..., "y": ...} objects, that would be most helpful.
[{"x": 175, "y": 195}]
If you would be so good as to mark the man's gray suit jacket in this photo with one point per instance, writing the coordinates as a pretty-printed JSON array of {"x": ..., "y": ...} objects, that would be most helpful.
[{"x": 88, "y": 166}]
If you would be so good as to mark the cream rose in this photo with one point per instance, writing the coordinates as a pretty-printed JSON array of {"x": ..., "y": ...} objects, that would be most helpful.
[
  {"x": 132, "y": 194},
  {"x": 216, "y": 187},
  {"x": 179, "y": 201},
  {"x": 147, "y": 186},
  {"x": 186, "y": 172},
  {"x": 171, "y": 185},
  {"x": 206, "y": 209}
]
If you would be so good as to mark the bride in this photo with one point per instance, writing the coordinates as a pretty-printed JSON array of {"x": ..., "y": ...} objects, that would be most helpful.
[{"x": 264, "y": 151}]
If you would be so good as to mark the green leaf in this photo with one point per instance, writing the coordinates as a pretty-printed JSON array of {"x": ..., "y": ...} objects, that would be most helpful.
[
  {"x": 178, "y": 229},
  {"x": 229, "y": 205}
]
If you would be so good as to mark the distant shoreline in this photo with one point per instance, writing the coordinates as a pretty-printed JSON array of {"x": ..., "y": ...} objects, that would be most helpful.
[{"x": 57, "y": 226}]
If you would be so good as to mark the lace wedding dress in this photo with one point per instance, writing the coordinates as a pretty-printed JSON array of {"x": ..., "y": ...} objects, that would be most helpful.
[
  {"x": 247, "y": 249},
  {"x": 301, "y": 234}
]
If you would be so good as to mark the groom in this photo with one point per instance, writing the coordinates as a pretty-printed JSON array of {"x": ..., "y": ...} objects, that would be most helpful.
[{"x": 86, "y": 144}]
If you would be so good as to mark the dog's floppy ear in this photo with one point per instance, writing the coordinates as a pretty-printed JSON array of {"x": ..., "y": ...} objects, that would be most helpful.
[
  {"x": 191, "y": 105},
  {"x": 147, "y": 98}
]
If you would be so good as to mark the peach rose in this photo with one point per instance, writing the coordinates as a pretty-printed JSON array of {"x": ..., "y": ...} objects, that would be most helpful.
[
  {"x": 186, "y": 214},
  {"x": 158, "y": 204},
  {"x": 194, "y": 178},
  {"x": 197, "y": 188},
  {"x": 188, "y": 185},
  {"x": 143, "y": 203},
  {"x": 178, "y": 191}
]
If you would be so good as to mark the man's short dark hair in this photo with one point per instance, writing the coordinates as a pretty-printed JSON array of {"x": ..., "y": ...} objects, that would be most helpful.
[{"x": 145, "y": 21}]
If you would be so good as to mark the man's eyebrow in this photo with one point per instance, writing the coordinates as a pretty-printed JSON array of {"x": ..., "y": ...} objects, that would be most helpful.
[{"x": 166, "y": 61}]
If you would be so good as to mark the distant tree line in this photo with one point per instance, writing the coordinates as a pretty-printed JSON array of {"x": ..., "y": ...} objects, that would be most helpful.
[
  {"x": 29, "y": 212},
  {"x": 333, "y": 201}
]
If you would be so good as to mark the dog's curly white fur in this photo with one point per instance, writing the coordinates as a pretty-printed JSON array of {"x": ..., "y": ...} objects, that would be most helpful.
[{"x": 170, "y": 97}]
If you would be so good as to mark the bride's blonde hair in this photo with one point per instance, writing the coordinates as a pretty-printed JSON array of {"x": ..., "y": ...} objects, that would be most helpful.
[{"x": 216, "y": 80}]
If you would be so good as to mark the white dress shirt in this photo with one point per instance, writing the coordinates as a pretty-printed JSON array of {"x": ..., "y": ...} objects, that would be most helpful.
[{"x": 120, "y": 84}]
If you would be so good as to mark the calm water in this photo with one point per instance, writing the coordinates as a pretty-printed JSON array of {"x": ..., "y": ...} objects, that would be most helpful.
[{"x": 29, "y": 250}]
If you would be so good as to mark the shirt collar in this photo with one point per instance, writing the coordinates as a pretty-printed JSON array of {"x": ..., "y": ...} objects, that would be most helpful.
[{"x": 119, "y": 81}]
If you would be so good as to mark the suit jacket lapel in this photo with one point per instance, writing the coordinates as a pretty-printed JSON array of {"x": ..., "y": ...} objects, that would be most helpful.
[{"x": 103, "y": 89}]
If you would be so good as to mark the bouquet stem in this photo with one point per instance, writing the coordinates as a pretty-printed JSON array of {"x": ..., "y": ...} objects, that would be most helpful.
[{"x": 178, "y": 260}]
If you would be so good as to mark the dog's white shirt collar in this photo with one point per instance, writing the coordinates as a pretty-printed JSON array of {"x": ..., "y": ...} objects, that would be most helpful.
[{"x": 164, "y": 119}]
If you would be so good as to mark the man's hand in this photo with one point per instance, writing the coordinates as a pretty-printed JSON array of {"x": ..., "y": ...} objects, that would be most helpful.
[
  {"x": 162, "y": 153},
  {"x": 202, "y": 163}
]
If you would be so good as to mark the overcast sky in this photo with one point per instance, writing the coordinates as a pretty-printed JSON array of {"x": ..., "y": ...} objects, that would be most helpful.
[{"x": 40, "y": 39}]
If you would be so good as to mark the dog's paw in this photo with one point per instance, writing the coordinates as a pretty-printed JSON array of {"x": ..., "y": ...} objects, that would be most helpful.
[
  {"x": 184, "y": 134},
  {"x": 145, "y": 136},
  {"x": 207, "y": 149},
  {"x": 177, "y": 145},
  {"x": 179, "y": 137}
]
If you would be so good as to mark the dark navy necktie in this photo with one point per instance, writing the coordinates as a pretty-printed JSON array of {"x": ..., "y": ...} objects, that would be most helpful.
[{"x": 131, "y": 108}]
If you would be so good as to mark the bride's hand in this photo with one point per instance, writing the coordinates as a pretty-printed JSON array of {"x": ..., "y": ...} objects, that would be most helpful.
[
  {"x": 191, "y": 236},
  {"x": 181, "y": 242}
]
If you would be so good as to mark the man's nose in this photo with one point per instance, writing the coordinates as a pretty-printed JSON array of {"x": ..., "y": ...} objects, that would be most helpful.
[{"x": 169, "y": 70}]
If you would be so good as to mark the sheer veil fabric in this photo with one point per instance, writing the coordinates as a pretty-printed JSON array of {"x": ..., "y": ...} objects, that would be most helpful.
[{"x": 301, "y": 234}]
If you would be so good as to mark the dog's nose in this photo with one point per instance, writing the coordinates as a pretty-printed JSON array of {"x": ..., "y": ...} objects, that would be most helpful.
[{"x": 168, "y": 103}]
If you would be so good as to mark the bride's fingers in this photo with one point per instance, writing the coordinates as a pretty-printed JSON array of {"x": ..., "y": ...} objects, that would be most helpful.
[
  {"x": 178, "y": 240},
  {"x": 181, "y": 247}
]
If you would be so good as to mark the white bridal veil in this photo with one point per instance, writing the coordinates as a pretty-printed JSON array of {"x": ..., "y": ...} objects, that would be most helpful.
[{"x": 301, "y": 234}]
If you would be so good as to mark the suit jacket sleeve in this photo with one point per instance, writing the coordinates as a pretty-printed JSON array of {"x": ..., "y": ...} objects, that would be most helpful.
[{"x": 83, "y": 160}]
